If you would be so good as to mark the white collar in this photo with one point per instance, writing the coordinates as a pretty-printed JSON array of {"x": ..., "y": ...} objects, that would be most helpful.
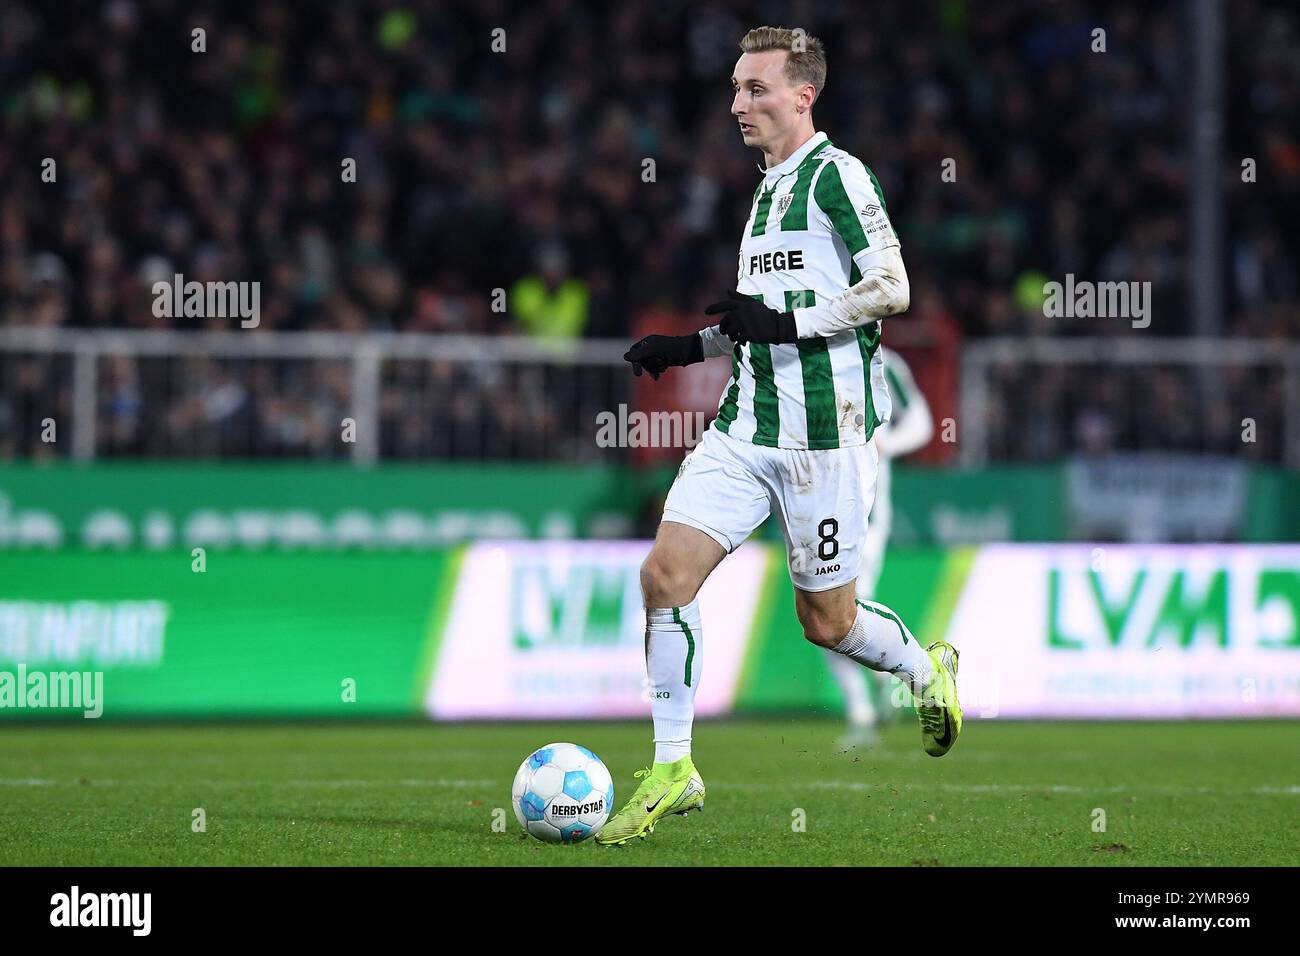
[{"x": 791, "y": 162}]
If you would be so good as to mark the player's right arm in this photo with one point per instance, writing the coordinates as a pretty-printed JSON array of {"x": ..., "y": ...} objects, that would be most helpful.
[
  {"x": 656, "y": 354},
  {"x": 715, "y": 343}
]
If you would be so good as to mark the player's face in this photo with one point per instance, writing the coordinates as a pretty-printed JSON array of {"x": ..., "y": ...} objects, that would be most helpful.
[{"x": 765, "y": 101}]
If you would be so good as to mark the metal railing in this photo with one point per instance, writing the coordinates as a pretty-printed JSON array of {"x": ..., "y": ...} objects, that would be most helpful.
[
  {"x": 1220, "y": 396},
  {"x": 414, "y": 395},
  {"x": 548, "y": 390}
]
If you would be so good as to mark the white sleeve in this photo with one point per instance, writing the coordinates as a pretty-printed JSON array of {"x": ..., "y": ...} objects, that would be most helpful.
[
  {"x": 715, "y": 343},
  {"x": 883, "y": 291},
  {"x": 850, "y": 203}
]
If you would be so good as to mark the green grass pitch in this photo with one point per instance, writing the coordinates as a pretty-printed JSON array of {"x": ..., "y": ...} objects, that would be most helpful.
[{"x": 374, "y": 794}]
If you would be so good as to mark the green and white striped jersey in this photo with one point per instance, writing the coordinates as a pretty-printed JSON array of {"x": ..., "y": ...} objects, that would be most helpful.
[{"x": 815, "y": 216}]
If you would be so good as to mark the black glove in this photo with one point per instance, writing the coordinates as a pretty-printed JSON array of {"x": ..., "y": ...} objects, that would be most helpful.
[
  {"x": 748, "y": 320},
  {"x": 655, "y": 353}
]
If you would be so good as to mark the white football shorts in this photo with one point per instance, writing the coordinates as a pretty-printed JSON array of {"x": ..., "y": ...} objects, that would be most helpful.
[{"x": 727, "y": 488}]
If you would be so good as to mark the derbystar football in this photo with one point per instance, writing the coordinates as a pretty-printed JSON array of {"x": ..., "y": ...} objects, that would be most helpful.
[{"x": 562, "y": 793}]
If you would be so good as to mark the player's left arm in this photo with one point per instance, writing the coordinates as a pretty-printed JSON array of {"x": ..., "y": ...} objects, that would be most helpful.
[{"x": 850, "y": 201}]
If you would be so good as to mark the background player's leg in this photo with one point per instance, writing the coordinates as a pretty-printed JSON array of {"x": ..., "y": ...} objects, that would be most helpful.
[
  {"x": 852, "y": 678},
  {"x": 873, "y": 561},
  {"x": 861, "y": 712},
  {"x": 679, "y": 562}
]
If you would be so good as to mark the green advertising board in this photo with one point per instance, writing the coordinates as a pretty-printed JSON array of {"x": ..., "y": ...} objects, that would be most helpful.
[
  {"x": 304, "y": 635},
  {"x": 165, "y": 506},
  {"x": 260, "y": 507},
  {"x": 555, "y": 630},
  {"x": 157, "y": 506}
]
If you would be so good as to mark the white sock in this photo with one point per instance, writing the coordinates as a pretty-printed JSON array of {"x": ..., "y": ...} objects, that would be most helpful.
[
  {"x": 674, "y": 661},
  {"x": 879, "y": 640},
  {"x": 853, "y": 685}
]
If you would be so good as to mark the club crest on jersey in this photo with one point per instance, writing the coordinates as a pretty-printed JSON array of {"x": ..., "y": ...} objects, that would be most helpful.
[{"x": 782, "y": 204}]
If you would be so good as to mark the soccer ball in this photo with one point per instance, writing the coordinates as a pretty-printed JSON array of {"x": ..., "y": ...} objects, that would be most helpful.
[{"x": 562, "y": 793}]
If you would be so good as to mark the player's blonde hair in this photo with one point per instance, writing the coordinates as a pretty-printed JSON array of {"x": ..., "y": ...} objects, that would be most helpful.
[{"x": 806, "y": 62}]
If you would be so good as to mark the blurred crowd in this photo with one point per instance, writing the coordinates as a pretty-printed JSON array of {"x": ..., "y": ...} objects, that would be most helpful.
[{"x": 503, "y": 145}]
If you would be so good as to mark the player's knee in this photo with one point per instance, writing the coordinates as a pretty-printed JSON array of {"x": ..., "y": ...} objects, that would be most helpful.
[
  {"x": 824, "y": 628},
  {"x": 663, "y": 584}
]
